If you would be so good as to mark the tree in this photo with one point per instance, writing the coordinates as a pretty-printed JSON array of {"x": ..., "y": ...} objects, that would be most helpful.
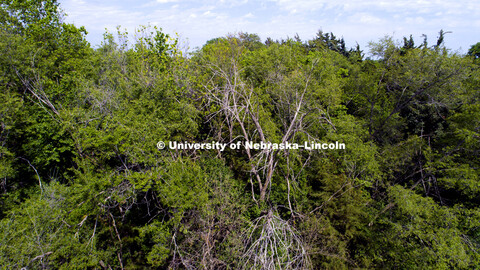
[{"x": 474, "y": 51}]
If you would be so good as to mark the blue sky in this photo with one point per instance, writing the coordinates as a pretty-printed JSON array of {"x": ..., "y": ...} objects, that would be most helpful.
[{"x": 356, "y": 20}]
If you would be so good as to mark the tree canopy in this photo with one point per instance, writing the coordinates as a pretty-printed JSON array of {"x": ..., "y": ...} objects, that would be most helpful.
[{"x": 83, "y": 184}]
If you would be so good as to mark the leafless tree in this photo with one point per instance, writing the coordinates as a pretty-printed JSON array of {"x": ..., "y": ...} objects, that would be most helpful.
[{"x": 239, "y": 106}]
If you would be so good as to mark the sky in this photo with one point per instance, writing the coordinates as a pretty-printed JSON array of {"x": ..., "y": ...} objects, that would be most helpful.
[{"x": 357, "y": 21}]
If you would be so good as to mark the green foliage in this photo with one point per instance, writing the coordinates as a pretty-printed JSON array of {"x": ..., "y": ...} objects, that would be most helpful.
[
  {"x": 37, "y": 234},
  {"x": 424, "y": 234},
  {"x": 83, "y": 184},
  {"x": 474, "y": 51}
]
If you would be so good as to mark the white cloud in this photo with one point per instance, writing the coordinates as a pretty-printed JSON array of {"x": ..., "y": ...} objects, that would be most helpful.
[
  {"x": 367, "y": 19},
  {"x": 415, "y": 20},
  {"x": 248, "y": 15},
  {"x": 302, "y": 5},
  {"x": 166, "y": 1},
  {"x": 208, "y": 13}
]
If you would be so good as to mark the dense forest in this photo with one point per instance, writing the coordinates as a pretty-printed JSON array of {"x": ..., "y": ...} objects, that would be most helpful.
[{"x": 84, "y": 186}]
